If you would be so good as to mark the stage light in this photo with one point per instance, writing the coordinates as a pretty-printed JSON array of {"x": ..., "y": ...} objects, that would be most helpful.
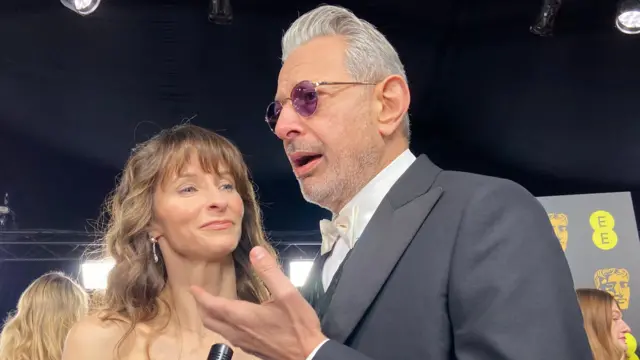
[
  {"x": 81, "y": 7},
  {"x": 94, "y": 273},
  {"x": 628, "y": 16},
  {"x": 220, "y": 12},
  {"x": 544, "y": 23},
  {"x": 7, "y": 216},
  {"x": 299, "y": 271}
]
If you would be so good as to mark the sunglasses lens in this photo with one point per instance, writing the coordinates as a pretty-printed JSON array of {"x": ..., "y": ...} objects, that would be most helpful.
[
  {"x": 304, "y": 98},
  {"x": 272, "y": 114}
]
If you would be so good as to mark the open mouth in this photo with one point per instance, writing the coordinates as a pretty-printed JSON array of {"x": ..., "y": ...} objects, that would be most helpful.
[
  {"x": 304, "y": 159},
  {"x": 304, "y": 163}
]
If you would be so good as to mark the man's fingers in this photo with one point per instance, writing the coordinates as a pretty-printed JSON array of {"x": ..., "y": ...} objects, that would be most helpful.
[
  {"x": 268, "y": 270},
  {"x": 227, "y": 311},
  {"x": 214, "y": 307},
  {"x": 216, "y": 326}
]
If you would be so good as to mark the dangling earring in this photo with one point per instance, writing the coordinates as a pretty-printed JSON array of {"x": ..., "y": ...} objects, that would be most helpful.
[{"x": 153, "y": 248}]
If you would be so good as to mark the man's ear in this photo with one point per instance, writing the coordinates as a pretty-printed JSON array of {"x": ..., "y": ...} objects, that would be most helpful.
[{"x": 393, "y": 99}]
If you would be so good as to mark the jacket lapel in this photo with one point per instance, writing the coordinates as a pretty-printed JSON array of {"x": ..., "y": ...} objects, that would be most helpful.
[
  {"x": 383, "y": 242},
  {"x": 313, "y": 290}
]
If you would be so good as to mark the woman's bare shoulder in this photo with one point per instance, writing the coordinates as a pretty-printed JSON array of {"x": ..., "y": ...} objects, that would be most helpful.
[{"x": 94, "y": 337}]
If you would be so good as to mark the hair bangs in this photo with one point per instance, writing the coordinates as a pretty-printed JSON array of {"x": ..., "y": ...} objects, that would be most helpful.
[{"x": 215, "y": 155}]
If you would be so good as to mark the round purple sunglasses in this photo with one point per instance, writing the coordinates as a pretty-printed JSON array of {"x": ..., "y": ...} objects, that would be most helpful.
[{"x": 304, "y": 99}]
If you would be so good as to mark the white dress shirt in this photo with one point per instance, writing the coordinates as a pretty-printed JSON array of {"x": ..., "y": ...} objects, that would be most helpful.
[{"x": 367, "y": 201}]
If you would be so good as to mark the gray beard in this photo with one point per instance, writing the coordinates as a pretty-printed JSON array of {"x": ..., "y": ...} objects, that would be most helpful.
[{"x": 343, "y": 184}]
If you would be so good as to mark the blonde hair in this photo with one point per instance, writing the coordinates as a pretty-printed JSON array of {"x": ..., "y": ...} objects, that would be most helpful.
[
  {"x": 598, "y": 318},
  {"x": 46, "y": 311},
  {"x": 135, "y": 282}
]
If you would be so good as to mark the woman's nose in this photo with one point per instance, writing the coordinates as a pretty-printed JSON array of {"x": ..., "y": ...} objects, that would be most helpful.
[{"x": 217, "y": 200}]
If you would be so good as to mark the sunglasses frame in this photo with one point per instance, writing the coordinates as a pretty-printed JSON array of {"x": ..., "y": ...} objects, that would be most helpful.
[{"x": 315, "y": 84}]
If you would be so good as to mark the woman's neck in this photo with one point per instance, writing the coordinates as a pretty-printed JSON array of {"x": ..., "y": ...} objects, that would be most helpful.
[{"x": 218, "y": 279}]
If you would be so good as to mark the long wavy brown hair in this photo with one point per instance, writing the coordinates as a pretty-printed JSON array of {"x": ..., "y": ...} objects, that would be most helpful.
[
  {"x": 46, "y": 311},
  {"x": 598, "y": 319},
  {"x": 135, "y": 282}
]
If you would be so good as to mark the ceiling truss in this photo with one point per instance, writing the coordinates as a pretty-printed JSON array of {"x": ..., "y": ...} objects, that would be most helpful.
[{"x": 62, "y": 245}]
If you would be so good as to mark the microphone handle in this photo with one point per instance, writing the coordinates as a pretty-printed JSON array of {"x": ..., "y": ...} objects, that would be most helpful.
[{"x": 220, "y": 352}]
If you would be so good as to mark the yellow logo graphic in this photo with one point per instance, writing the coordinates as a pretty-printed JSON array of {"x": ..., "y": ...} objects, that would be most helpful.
[
  {"x": 559, "y": 221},
  {"x": 602, "y": 223},
  {"x": 615, "y": 281}
]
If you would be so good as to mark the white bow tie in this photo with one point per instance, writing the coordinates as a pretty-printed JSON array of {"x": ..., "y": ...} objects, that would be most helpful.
[{"x": 340, "y": 228}]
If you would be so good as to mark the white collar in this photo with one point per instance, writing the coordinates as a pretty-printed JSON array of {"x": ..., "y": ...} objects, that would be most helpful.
[{"x": 369, "y": 198}]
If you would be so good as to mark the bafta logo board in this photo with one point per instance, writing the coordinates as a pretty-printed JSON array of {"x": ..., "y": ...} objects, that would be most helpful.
[
  {"x": 604, "y": 236},
  {"x": 615, "y": 281},
  {"x": 560, "y": 221},
  {"x": 604, "y": 248}
]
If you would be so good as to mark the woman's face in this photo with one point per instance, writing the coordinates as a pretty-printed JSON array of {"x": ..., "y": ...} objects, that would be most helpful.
[
  {"x": 618, "y": 327},
  {"x": 198, "y": 215}
]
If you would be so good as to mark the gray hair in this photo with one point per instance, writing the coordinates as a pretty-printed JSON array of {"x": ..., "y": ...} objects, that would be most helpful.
[{"x": 369, "y": 56}]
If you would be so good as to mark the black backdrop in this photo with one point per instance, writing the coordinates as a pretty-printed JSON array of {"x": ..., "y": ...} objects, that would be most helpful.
[{"x": 558, "y": 115}]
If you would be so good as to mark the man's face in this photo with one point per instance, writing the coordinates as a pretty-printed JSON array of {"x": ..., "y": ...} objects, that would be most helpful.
[{"x": 334, "y": 151}]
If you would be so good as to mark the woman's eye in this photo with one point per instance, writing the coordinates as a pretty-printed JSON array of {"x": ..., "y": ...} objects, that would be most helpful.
[
  {"x": 188, "y": 189},
  {"x": 227, "y": 187}
]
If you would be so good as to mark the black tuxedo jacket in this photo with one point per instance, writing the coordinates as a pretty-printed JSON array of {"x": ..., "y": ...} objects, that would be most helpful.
[{"x": 452, "y": 266}]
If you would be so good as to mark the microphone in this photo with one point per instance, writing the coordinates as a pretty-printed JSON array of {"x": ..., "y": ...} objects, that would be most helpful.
[{"x": 220, "y": 352}]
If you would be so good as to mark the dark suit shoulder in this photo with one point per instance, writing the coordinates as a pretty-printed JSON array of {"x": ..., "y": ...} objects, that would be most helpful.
[
  {"x": 476, "y": 187},
  {"x": 504, "y": 256}
]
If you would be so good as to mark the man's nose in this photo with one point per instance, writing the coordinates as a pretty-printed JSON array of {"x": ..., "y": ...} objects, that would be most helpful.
[{"x": 289, "y": 123}]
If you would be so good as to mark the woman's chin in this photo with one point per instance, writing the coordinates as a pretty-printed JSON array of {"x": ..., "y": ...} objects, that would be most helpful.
[
  {"x": 220, "y": 252},
  {"x": 623, "y": 344}
]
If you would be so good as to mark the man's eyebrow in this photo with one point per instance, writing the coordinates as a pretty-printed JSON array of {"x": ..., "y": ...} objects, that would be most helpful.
[{"x": 280, "y": 96}]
